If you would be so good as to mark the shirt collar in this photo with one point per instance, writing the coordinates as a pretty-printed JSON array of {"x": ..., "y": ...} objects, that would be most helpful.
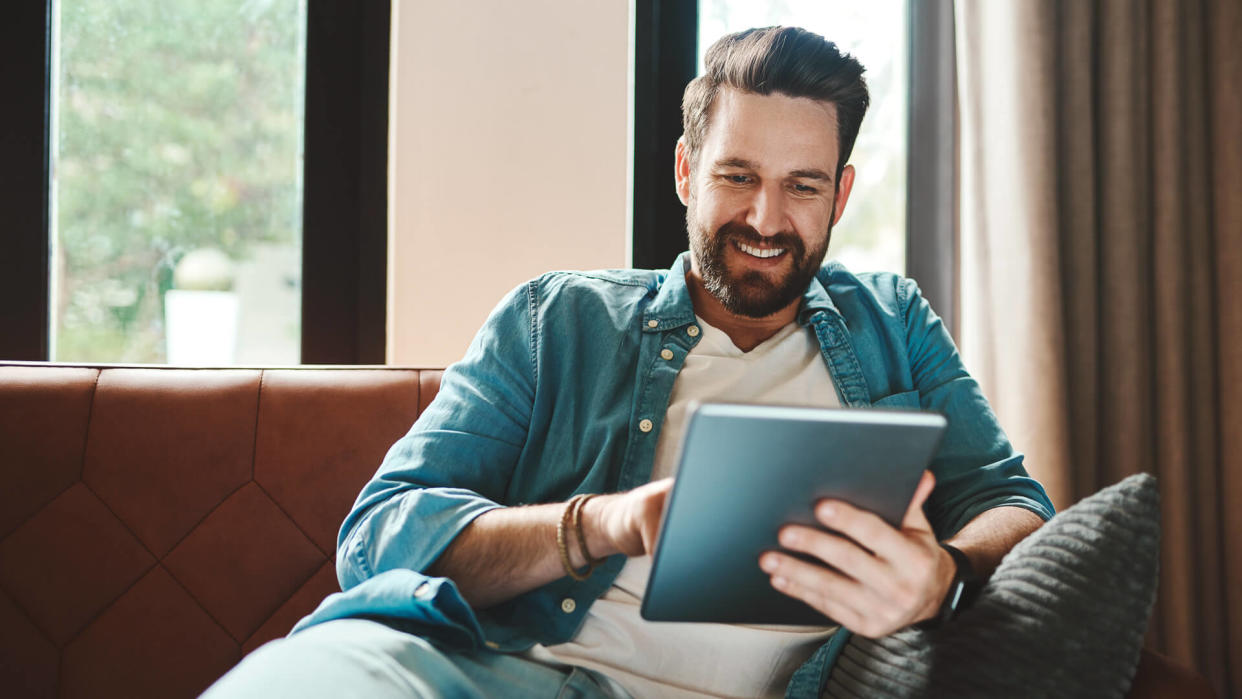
[{"x": 672, "y": 307}]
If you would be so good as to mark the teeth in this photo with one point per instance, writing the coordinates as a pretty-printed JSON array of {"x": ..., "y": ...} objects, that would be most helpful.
[{"x": 760, "y": 252}]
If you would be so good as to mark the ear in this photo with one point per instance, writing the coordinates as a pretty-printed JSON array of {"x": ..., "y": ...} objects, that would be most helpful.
[
  {"x": 844, "y": 186},
  {"x": 681, "y": 171}
]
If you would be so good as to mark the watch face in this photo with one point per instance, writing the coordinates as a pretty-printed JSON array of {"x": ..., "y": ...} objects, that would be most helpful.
[{"x": 954, "y": 598}]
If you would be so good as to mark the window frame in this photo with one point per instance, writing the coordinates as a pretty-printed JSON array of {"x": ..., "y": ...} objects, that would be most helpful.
[
  {"x": 25, "y": 41},
  {"x": 666, "y": 38},
  {"x": 665, "y": 56},
  {"x": 345, "y": 182}
]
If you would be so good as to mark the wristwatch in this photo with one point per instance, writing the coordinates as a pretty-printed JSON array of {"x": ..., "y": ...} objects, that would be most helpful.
[{"x": 961, "y": 591}]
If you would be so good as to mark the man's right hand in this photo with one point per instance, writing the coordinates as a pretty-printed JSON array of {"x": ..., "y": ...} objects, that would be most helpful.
[
  {"x": 625, "y": 522},
  {"x": 510, "y": 550}
]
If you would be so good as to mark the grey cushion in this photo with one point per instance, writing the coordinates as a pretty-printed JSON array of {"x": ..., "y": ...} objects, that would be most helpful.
[{"x": 1063, "y": 616}]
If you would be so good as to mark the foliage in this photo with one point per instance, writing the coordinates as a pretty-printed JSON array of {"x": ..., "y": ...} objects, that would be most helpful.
[{"x": 178, "y": 126}]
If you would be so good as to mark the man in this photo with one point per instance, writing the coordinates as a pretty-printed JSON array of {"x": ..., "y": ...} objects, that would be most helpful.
[{"x": 460, "y": 573}]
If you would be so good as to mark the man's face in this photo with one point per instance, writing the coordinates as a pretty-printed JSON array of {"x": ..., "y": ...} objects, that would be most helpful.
[{"x": 761, "y": 198}]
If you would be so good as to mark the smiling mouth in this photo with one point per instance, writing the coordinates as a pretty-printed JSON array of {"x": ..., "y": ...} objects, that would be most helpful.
[{"x": 762, "y": 253}]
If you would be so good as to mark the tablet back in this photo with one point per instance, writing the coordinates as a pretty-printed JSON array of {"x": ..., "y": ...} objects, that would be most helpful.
[{"x": 746, "y": 470}]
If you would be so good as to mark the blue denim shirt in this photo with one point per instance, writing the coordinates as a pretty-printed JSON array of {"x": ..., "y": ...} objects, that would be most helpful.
[{"x": 547, "y": 403}]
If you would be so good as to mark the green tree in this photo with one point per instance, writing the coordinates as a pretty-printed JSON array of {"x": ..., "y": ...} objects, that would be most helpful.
[{"x": 178, "y": 126}]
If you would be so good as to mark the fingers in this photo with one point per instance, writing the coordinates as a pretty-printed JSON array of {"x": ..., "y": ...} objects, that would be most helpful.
[
  {"x": 829, "y": 592},
  {"x": 840, "y": 553},
  {"x": 646, "y": 505},
  {"x": 866, "y": 610},
  {"x": 627, "y": 522},
  {"x": 664, "y": 485},
  {"x": 654, "y": 489},
  {"x": 915, "y": 519},
  {"x": 871, "y": 531},
  {"x": 866, "y": 529},
  {"x": 655, "y": 510},
  {"x": 650, "y": 533},
  {"x": 876, "y": 578}
]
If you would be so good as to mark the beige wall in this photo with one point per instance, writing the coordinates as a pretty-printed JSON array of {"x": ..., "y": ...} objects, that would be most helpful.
[{"x": 509, "y": 158}]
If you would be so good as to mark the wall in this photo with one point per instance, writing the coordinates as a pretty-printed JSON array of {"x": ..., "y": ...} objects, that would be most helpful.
[{"x": 509, "y": 158}]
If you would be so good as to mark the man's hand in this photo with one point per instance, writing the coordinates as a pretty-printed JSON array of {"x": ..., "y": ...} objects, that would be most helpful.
[
  {"x": 626, "y": 522},
  {"x": 878, "y": 579},
  {"x": 509, "y": 551}
]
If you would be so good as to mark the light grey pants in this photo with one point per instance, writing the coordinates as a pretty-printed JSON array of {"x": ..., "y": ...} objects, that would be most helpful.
[{"x": 366, "y": 659}]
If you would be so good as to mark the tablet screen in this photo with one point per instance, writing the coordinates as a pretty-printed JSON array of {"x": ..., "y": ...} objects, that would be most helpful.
[{"x": 747, "y": 470}]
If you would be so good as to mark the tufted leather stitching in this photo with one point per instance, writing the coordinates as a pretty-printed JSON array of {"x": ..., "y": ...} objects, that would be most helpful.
[
  {"x": 207, "y": 515},
  {"x": 186, "y": 590},
  {"x": 130, "y": 586},
  {"x": 81, "y": 470},
  {"x": 30, "y": 619},
  {"x": 424, "y": 384},
  {"x": 16, "y": 601},
  {"x": 254, "y": 457},
  {"x": 86, "y": 433},
  {"x": 254, "y": 442}
]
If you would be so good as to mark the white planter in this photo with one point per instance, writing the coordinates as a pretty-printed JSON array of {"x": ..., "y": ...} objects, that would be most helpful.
[{"x": 200, "y": 327}]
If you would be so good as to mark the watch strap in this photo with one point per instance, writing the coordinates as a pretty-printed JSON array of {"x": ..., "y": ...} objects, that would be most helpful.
[{"x": 961, "y": 590}]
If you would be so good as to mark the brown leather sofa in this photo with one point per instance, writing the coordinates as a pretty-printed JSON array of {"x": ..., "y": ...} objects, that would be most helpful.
[{"x": 157, "y": 524}]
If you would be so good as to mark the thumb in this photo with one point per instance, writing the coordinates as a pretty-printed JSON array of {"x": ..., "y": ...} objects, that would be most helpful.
[
  {"x": 915, "y": 519},
  {"x": 655, "y": 510}
]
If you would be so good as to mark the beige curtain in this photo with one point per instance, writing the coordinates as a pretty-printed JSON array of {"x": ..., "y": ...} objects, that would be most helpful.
[{"x": 1101, "y": 285}]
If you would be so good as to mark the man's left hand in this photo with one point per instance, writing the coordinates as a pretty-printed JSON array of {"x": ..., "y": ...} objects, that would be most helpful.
[{"x": 877, "y": 579}]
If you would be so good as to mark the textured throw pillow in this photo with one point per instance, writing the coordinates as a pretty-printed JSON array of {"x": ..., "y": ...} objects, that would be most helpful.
[{"x": 1063, "y": 616}]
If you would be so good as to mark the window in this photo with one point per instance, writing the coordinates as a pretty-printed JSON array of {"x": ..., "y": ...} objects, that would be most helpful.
[
  {"x": 177, "y": 181},
  {"x": 902, "y": 214},
  {"x": 222, "y": 148},
  {"x": 871, "y": 235}
]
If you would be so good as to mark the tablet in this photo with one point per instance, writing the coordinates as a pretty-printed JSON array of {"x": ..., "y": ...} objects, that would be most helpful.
[{"x": 745, "y": 471}]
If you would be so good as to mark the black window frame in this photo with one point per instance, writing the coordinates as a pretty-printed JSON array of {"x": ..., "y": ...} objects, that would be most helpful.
[
  {"x": 666, "y": 48},
  {"x": 345, "y": 182},
  {"x": 665, "y": 55}
]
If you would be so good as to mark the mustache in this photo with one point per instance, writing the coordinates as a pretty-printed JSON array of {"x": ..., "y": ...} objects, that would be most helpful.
[{"x": 747, "y": 234}]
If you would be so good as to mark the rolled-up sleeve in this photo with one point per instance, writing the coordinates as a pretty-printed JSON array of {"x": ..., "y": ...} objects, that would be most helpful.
[
  {"x": 456, "y": 461},
  {"x": 976, "y": 468}
]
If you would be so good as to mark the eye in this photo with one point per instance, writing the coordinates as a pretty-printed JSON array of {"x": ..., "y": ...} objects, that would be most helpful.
[
  {"x": 737, "y": 179},
  {"x": 804, "y": 189}
]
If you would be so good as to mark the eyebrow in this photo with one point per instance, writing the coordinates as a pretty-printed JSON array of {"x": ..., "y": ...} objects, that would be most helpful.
[
  {"x": 809, "y": 174},
  {"x": 737, "y": 162},
  {"x": 812, "y": 174}
]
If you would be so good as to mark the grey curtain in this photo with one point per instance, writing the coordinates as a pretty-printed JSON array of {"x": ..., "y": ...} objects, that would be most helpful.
[{"x": 1100, "y": 247}]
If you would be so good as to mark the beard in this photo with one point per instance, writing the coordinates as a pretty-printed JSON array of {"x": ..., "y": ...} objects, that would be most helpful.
[{"x": 752, "y": 293}]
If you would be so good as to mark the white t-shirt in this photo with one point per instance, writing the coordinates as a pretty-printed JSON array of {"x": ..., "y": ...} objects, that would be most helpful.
[{"x": 693, "y": 659}]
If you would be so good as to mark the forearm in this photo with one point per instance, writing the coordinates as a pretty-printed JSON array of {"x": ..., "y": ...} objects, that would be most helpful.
[
  {"x": 987, "y": 538},
  {"x": 506, "y": 552}
]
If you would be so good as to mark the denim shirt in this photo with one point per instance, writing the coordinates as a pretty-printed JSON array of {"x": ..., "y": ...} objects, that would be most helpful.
[{"x": 551, "y": 399}]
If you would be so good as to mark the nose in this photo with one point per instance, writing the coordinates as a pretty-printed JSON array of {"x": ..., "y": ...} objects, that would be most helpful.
[{"x": 767, "y": 210}]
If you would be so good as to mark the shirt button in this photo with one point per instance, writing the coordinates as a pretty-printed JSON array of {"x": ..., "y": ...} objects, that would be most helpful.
[
  {"x": 652, "y": 323},
  {"x": 423, "y": 591},
  {"x": 568, "y": 605},
  {"x": 693, "y": 331},
  {"x": 645, "y": 425},
  {"x": 666, "y": 353},
  {"x": 492, "y": 644}
]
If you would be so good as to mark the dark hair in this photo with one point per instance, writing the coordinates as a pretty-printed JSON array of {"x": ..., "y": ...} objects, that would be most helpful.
[{"x": 788, "y": 60}]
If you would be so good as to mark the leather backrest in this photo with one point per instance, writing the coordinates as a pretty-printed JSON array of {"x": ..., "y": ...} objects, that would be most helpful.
[{"x": 156, "y": 524}]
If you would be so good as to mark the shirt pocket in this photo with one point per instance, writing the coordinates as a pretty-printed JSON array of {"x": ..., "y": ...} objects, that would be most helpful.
[{"x": 908, "y": 400}]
